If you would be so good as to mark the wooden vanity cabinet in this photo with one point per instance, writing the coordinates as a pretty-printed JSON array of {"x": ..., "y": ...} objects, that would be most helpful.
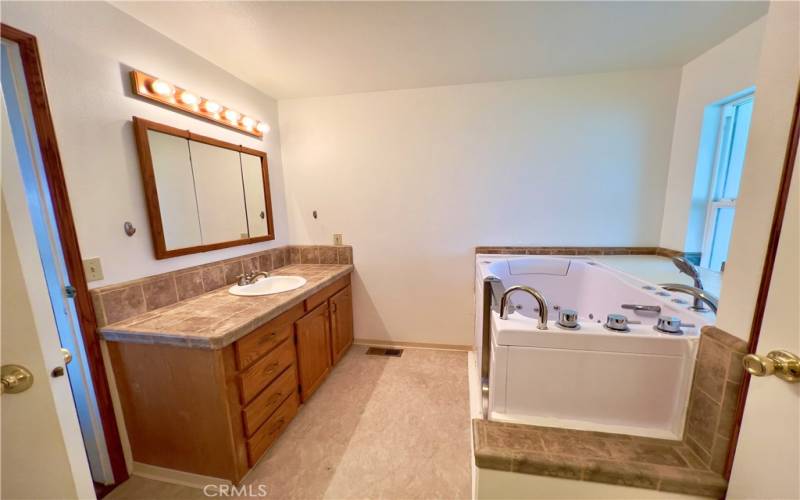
[
  {"x": 341, "y": 310},
  {"x": 313, "y": 348},
  {"x": 324, "y": 334},
  {"x": 215, "y": 412}
]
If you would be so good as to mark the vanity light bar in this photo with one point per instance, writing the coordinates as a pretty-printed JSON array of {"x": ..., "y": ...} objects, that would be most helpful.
[{"x": 162, "y": 91}]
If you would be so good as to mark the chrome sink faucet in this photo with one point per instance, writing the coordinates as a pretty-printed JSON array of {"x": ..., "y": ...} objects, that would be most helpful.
[
  {"x": 251, "y": 277},
  {"x": 698, "y": 294},
  {"x": 691, "y": 270},
  {"x": 537, "y": 296}
]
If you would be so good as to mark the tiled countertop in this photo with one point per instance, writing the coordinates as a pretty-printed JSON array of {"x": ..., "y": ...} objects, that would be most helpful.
[
  {"x": 217, "y": 319},
  {"x": 655, "y": 464}
]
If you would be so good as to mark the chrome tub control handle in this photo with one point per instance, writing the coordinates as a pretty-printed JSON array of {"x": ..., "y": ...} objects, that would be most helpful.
[
  {"x": 643, "y": 308},
  {"x": 617, "y": 323},
  {"x": 568, "y": 318}
]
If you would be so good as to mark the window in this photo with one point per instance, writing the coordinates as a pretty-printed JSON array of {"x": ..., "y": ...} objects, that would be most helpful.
[{"x": 734, "y": 127}]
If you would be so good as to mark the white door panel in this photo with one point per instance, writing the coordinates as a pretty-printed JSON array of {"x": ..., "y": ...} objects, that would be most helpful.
[
  {"x": 42, "y": 449},
  {"x": 767, "y": 462}
]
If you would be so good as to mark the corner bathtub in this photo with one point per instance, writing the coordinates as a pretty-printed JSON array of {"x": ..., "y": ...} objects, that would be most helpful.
[{"x": 591, "y": 378}]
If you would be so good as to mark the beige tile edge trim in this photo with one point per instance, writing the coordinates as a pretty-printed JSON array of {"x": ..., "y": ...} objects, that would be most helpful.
[
  {"x": 577, "y": 250},
  {"x": 412, "y": 345}
]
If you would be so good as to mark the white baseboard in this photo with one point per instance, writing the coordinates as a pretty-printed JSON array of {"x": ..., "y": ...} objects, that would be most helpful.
[{"x": 412, "y": 345}]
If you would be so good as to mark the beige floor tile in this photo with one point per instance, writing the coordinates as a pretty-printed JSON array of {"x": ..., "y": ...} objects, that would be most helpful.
[
  {"x": 379, "y": 427},
  {"x": 139, "y": 488}
]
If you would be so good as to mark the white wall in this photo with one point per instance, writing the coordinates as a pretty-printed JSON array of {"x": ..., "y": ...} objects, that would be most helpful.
[
  {"x": 717, "y": 74},
  {"x": 415, "y": 179},
  {"x": 777, "y": 83},
  {"x": 87, "y": 50}
]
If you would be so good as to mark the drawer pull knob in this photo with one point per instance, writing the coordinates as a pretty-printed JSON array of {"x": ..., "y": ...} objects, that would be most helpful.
[
  {"x": 277, "y": 427},
  {"x": 274, "y": 398},
  {"x": 271, "y": 368},
  {"x": 267, "y": 338}
]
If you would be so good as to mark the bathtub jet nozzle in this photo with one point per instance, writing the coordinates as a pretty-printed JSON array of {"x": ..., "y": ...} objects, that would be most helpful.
[{"x": 537, "y": 296}]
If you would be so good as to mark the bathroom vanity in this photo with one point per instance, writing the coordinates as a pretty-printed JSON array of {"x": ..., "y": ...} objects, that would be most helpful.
[{"x": 208, "y": 384}]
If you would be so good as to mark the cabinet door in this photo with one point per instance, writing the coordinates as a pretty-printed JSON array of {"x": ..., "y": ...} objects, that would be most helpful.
[
  {"x": 341, "y": 322},
  {"x": 313, "y": 349}
]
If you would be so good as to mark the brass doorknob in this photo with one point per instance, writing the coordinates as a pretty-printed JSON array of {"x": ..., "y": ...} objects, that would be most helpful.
[
  {"x": 783, "y": 364},
  {"x": 15, "y": 378},
  {"x": 67, "y": 355}
]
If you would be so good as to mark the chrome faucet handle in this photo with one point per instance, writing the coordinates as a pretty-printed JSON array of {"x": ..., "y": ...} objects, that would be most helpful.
[
  {"x": 242, "y": 280},
  {"x": 256, "y": 274},
  {"x": 641, "y": 308},
  {"x": 669, "y": 324},
  {"x": 568, "y": 318},
  {"x": 617, "y": 323}
]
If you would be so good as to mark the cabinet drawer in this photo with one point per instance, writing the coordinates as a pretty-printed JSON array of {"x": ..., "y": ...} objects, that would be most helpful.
[
  {"x": 266, "y": 370},
  {"x": 322, "y": 295},
  {"x": 272, "y": 428},
  {"x": 266, "y": 337},
  {"x": 265, "y": 403}
]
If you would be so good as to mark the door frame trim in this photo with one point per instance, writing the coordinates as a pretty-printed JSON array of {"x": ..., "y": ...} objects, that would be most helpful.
[
  {"x": 778, "y": 215},
  {"x": 54, "y": 173}
]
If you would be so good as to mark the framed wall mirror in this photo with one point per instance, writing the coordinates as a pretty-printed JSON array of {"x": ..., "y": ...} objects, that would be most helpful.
[{"x": 202, "y": 194}]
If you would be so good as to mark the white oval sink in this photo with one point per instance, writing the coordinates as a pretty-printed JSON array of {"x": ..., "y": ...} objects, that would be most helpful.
[{"x": 269, "y": 286}]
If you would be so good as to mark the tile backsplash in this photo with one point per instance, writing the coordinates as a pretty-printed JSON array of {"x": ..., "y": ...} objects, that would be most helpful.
[{"x": 123, "y": 300}]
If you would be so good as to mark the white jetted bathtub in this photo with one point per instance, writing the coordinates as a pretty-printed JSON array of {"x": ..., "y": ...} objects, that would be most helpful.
[{"x": 589, "y": 377}]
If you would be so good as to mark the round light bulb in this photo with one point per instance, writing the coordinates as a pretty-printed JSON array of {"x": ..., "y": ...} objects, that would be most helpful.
[
  {"x": 189, "y": 98},
  {"x": 248, "y": 122},
  {"x": 262, "y": 127},
  {"x": 211, "y": 106},
  {"x": 162, "y": 88},
  {"x": 232, "y": 115}
]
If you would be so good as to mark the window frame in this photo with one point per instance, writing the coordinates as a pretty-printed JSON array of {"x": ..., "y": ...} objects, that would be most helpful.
[{"x": 715, "y": 201}]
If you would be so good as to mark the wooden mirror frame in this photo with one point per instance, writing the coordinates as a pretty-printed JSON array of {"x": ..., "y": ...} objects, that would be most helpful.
[{"x": 140, "y": 128}]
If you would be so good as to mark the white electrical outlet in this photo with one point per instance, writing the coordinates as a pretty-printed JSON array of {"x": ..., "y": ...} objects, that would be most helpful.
[
  {"x": 93, "y": 269},
  {"x": 337, "y": 239}
]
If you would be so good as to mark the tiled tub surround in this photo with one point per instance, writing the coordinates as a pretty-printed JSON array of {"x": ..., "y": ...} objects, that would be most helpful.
[
  {"x": 216, "y": 319},
  {"x": 618, "y": 459},
  {"x": 523, "y": 250},
  {"x": 693, "y": 466},
  {"x": 115, "y": 303},
  {"x": 715, "y": 394}
]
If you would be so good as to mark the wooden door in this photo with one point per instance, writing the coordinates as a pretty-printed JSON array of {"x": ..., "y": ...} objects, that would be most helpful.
[
  {"x": 313, "y": 349},
  {"x": 341, "y": 322}
]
